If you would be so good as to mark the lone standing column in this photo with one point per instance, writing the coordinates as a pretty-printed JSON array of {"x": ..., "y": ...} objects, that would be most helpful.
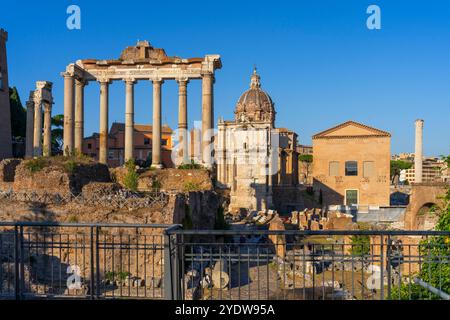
[
  {"x": 418, "y": 152},
  {"x": 30, "y": 127},
  {"x": 68, "y": 113},
  {"x": 47, "y": 129},
  {"x": 129, "y": 118},
  {"x": 79, "y": 113},
  {"x": 207, "y": 114},
  {"x": 156, "y": 140},
  {"x": 37, "y": 140},
  {"x": 103, "y": 147},
  {"x": 182, "y": 120}
]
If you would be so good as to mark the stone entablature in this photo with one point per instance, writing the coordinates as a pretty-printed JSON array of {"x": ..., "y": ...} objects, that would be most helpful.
[{"x": 140, "y": 62}]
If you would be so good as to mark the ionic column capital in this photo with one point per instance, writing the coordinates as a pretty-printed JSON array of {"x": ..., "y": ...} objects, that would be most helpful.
[
  {"x": 81, "y": 82},
  {"x": 67, "y": 74},
  {"x": 104, "y": 80},
  {"x": 183, "y": 81},
  {"x": 157, "y": 81},
  {"x": 130, "y": 81}
]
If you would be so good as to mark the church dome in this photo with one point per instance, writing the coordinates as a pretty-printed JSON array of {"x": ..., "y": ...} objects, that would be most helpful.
[{"x": 255, "y": 104}]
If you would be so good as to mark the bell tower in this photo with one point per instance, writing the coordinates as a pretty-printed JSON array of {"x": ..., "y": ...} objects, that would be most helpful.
[{"x": 5, "y": 118}]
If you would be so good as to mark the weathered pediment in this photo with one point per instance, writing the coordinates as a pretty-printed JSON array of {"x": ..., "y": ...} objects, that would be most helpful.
[
  {"x": 141, "y": 51},
  {"x": 351, "y": 129}
]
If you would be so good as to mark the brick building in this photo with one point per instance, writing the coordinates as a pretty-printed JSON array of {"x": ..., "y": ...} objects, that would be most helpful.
[
  {"x": 351, "y": 165},
  {"x": 142, "y": 144}
]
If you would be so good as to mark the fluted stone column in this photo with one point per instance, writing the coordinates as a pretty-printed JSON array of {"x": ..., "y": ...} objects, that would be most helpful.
[
  {"x": 129, "y": 118},
  {"x": 182, "y": 121},
  {"x": 47, "y": 129},
  {"x": 37, "y": 140},
  {"x": 79, "y": 113},
  {"x": 68, "y": 114},
  {"x": 207, "y": 116},
  {"x": 418, "y": 152},
  {"x": 30, "y": 129},
  {"x": 156, "y": 139},
  {"x": 103, "y": 145}
]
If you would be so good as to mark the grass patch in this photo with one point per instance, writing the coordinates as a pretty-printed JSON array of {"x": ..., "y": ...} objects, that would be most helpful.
[
  {"x": 36, "y": 164},
  {"x": 191, "y": 186}
]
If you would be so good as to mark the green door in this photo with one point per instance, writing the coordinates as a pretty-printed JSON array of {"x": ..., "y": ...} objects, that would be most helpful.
[{"x": 351, "y": 197}]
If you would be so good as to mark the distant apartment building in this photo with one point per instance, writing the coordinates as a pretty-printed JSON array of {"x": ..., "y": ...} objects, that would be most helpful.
[
  {"x": 351, "y": 165},
  {"x": 433, "y": 170},
  {"x": 142, "y": 138},
  {"x": 409, "y": 157}
]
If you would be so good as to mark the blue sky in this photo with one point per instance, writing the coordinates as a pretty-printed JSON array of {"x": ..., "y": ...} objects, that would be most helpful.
[{"x": 317, "y": 59}]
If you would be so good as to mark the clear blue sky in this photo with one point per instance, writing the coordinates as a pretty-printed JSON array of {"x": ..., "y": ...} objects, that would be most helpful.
[{"x": 317, "y": 59}]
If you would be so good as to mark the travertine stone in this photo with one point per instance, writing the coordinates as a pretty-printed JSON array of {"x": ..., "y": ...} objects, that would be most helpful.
[
  {"x": 182, "y": 120},
  {"x": 207, "y": 114},
  {"x": 37, "y": 140},
  {"x": 103, "y": 148},
  {"x": 418, "y": 157},
  {"x": 156, "y": 142},
  {"x": 68, "y": 113},
  {"x": 30, "y": 127},
  {"x": 47, "y": 150},
  {"x": 79, "y": 113},
  {"x": 129, "y": 118}
]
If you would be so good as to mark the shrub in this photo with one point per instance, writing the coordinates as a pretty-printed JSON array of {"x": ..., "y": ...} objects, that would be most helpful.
[
  {"x": 220, "y": 223},
  {"x": 191, "y": 186},
  {"x": 70, "y": 165},
  {"x": 73, "y": 219},
  {"x": 131, "y": 177},
  {"x": 360, "y": 245},
  {"x": 36, "y": 164},
  {"x": 156, "y": 185},
  {"x": 191, "y": 165}
]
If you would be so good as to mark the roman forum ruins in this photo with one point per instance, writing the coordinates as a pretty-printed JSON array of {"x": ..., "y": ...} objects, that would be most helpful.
[
  {"x": 42, "y": 96},
  {"x": 140, "y": 62}
]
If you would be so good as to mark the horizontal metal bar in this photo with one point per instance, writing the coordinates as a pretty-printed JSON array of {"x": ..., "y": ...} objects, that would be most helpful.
[
  {"x": 310, "y": 233},
  {"x": 432, "y": 289}
]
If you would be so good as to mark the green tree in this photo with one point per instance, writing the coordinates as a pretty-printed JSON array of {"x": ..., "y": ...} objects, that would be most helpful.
[
  {"x": 18, "y": 114},
  {"x": 57, "y": 133},
  {"x": 434, "y": 252},
  {"x": 397, "y": 166}
]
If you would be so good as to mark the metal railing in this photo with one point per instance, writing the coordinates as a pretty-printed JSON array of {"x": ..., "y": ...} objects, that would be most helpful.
[
  {"x": 356, "y": 265},
  {"x": 63, "y": 260},
  {"x": 139, "y": 261}
]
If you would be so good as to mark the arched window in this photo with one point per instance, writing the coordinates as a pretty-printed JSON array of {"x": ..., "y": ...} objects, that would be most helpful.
[{"x": 351, "y": 168}]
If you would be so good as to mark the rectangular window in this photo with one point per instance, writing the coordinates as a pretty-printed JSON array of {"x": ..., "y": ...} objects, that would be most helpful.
[
  {"x": 164, "y": 142},
  {"x": 111, "y": 155},
  {"x": 146, "y": 141},
  {"x": 351, "y": 168},
  {"x": 351, "y": 197},
  {"x": 368, "y": 169},
  {"x": 89, "y": 145},
  {"x": 334, "y": 168}
]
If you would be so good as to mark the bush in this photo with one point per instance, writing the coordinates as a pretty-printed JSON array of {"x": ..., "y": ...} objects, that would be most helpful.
[
  {"x": 360, "y": 245},
  {"x": 36, "y": 164},
  {"x": 156, "y": 185},
  {"x": 220, "y": 223},
  {"x": 191, "y": 165},
  {"x": 131, "y": 177},
  {"x": 191, "y": 186}
]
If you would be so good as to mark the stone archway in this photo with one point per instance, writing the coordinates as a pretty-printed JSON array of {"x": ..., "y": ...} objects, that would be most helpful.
[{"x": 424, "y": 196}]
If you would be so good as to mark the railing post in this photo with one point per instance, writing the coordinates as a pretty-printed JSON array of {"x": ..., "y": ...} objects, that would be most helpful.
[
  {"x": 168, "y": 274},
  {"x": 382, "y": 267},
  {"x": 21, "y": 264},
  {"x": 97, "y": 262},
  {"x": 91, "y": 291},
  {"x": 388, "y": 266},
  {"x": 16, "y": 264}
]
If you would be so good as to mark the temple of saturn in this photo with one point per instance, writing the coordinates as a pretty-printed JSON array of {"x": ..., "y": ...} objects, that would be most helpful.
[
  {"x": 41, "y": 97},
  {"x": 140, "y": 62}
]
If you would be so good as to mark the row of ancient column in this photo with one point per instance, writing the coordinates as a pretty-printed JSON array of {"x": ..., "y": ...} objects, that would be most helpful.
[
  {"x": 35, "y": 145},
  {"x": 74, "y": 117}
]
